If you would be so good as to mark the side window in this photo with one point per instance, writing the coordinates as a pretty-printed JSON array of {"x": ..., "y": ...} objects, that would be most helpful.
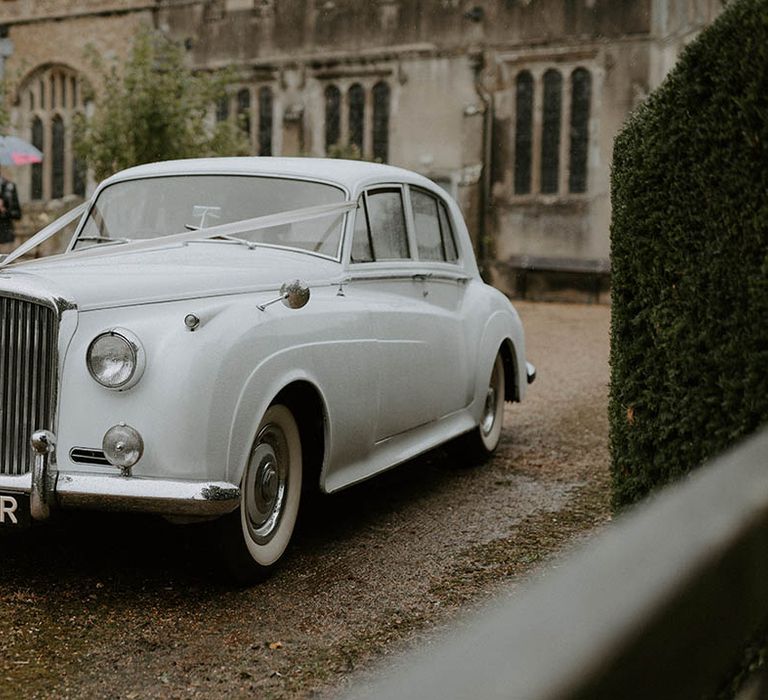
[
  {"x": 362, "y": 251},
  {"x": 384, "y": 225},
  {"x": 451, "y": 251},
  {"x": 433, "y": 231}
]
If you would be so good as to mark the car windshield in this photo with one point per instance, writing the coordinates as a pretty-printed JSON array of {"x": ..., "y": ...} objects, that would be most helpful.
[{"x": 161, "y": 206}]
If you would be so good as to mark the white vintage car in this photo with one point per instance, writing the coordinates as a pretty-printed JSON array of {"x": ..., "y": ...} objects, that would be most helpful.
[{"x": 222, "y": 334}]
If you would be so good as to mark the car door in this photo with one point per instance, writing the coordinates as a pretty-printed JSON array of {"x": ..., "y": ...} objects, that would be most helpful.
[
  {"x": 417, "y": 357},
  {"x": 444, "y": 292}
]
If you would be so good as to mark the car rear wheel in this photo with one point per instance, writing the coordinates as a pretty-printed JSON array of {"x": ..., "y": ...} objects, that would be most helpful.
[
  {"x": 483, "y": 440},
  {"x": 254, "y": 538}
]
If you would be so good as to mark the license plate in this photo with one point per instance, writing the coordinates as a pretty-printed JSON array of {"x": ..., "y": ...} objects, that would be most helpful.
[{"x": 14, "y": 510}]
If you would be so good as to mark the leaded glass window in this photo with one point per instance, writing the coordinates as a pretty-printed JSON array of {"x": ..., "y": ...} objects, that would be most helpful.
[
  {"x": 79, "y": 169},
  {"x": 57, "y": 157},
  {"x": 381, "y": 122},
  {"x": 332, "y": 116},
  {"x": 36, "y": 190},
  {"x": 356, "y": 97},
  {"x": 581, "y": 95},
  {"x": 523, "y": 132},
  {"x": 550, "y": 131}
]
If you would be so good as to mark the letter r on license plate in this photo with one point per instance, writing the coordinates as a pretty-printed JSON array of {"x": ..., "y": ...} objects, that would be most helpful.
[
  {"x": 14, "y": 510},
  {"x": 8, "y": 508}
]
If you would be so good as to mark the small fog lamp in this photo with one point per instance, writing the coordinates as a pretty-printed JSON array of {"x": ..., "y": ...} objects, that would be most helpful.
[{"x": 123, "y": 446}]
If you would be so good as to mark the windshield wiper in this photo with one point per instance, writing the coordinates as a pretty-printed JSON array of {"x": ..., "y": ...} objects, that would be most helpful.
[
  {"x": 103, "y": 239},
  {"x": 222, "y": 237}
]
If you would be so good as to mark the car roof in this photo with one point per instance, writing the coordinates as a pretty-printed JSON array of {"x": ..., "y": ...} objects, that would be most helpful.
[{"x": 351, "y": 174}]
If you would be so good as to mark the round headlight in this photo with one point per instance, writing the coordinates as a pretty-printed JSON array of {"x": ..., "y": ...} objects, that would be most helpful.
[{"x": 115, "y": 359}]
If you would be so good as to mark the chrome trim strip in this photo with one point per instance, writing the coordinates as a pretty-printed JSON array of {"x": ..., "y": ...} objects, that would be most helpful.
[
  {"x": 165, "y": 497},
  {"x": 119, "y": 493},
  {"x": 16, "y": 483},
  {"x": 406, "y": 276},
  {"x": 88, "y": 455},
  {"x": 18, "y": 285}
]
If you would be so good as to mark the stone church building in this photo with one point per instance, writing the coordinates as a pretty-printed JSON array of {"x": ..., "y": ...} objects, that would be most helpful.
[{"x": 511, "y": 105}]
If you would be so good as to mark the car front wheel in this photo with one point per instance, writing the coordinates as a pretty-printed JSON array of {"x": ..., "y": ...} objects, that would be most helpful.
[{"x": 255, "y": 537}]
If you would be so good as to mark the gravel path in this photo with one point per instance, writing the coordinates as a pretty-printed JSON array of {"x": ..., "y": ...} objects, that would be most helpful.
[{"x": 106, "y": 606}]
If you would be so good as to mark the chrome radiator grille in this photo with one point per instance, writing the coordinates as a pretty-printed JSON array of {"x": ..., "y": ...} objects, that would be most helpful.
[{"x": 28, "y": 351}]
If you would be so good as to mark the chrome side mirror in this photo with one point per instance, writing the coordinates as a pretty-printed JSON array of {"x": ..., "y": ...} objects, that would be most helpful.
[{"x": 294, "y": 295}]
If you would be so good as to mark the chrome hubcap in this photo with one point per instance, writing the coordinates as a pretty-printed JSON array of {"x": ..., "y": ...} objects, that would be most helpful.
[
  {"x": 489, "y": 414},
  {"x": 269, "y": 483},
  {"x": 493, "y": 401},
  {"x": 266, "y": 483}
]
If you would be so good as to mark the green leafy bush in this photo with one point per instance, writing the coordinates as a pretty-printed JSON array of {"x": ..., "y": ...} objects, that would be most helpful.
[
  {"x": 689, "y": 236},
  {"x": 154, "y": 108}
]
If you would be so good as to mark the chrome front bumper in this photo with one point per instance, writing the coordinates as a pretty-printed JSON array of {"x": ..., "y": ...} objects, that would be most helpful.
[{"x": 48, "y": 489}]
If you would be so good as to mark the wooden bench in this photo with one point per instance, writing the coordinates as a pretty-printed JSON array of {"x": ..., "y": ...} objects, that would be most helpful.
[{"x": 595, "y": 270}]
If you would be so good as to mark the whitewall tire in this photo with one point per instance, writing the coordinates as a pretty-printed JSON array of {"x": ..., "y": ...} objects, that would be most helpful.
[
  {"x": 484, "y": 439},
  {"x": 255, "y": 537}
]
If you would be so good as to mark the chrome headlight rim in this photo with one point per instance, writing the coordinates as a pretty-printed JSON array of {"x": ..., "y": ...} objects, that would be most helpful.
[{"x": 136, "y": 350}]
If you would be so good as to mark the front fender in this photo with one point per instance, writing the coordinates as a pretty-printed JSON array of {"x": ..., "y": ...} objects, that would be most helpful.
[
  {"x": 183, "y": 404},
  {"x": 334, "y": 358}
]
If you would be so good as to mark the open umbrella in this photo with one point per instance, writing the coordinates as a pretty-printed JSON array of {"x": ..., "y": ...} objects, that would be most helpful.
[{"x": 16, "y": 151}]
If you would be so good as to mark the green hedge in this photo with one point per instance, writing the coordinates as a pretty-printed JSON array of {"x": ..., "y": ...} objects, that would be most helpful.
[{"x": 689, "y": 238}]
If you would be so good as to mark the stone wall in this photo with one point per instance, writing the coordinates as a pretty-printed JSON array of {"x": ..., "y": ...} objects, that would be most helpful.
[{"x": 452, "y": 70}]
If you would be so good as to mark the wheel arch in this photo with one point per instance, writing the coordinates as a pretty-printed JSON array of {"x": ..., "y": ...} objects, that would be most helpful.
[
  {"x": 306, "y": 403},
  {"x": 511, "y": 374},
  {"x": 502, "y": 335}
]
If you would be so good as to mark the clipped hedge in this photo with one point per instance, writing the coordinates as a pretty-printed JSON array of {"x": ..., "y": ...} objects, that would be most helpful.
[{"x": 689, "y": 238}]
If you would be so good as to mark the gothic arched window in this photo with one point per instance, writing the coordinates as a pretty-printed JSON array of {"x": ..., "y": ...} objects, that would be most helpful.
[
  {"x": 55, "y": 99},
  {"x": 381, "y": 122},
  {"x": 581, "y": 95},
  {"x": 57, "y": 157},
  {"x": 332, "y": 116},
  {"x": 36, "y": 189},
  {"x": 523, "y": 132},
  {"x": 265, "y": 121},
  {"x": 550, "y": 131},
  {"x": 356, "y": 97}
]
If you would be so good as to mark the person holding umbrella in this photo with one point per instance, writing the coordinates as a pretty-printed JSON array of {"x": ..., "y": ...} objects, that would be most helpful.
[
  {"x": 13, "y": 151},
  {"x": 9, "y": 211}
]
